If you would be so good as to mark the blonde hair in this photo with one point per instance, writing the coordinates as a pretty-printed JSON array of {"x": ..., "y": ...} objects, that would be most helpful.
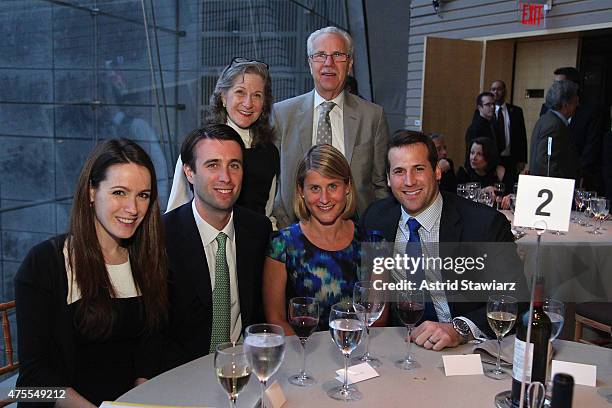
[{"x": 328, "y": 162}]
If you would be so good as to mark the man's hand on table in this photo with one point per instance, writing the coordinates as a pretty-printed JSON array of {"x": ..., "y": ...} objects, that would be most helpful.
[{"x": 436, "y": 336}]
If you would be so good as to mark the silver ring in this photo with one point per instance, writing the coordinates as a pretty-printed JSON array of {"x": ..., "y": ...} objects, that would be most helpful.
[{"x": 432, "y": 342}]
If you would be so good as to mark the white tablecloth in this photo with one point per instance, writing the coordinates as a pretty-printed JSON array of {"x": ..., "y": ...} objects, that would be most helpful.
[{"x": 195, "y": 384}]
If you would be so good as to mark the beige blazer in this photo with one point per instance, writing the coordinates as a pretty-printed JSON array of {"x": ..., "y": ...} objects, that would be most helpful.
[{"x": 366, "y": 138}]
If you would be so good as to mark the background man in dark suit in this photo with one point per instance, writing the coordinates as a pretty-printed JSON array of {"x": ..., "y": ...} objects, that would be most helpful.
[
  {"x": 215, "y": 250},
  {"x": 329, "y": 114},
  {"x": 482, "y": 123},
  {"x": 511, "y": 127},
  {"x": 586, "y": 127},
  {"x": 413, "y": 177},
  {"x": 562, "y": 98}
]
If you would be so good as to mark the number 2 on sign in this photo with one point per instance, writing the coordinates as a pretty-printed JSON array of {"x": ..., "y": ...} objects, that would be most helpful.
[{"x": 549, "y": 197}]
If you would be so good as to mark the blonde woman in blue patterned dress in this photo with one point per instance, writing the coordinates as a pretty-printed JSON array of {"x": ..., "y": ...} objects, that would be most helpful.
[{"x": 320, "y": 255}]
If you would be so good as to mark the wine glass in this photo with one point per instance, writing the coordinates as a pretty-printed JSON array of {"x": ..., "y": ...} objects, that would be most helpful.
[
  {"x": 584, "y": 199},
  {"x": 265, "y": 346},
  {"x": 485, "y": 197},
  {"x": 498, "y": 190},
  {"x": 410, "y": 307},
  {"x": 501, "y": 314},
  {"x": 232, "y": 369},
  {"x": 555, "y": 310},
  {"x": 303, "y": 318},
  {"x": 578, "y": 202},
  {"x": 346, "y": 325},
  {"x": 600, "y": 207},
  {"x": 372, "y": 300},
  {"x": 588, "y": 210}
]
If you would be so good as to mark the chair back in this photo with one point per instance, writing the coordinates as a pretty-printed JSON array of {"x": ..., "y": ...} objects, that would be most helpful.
[{"x": 10, "y": 365}]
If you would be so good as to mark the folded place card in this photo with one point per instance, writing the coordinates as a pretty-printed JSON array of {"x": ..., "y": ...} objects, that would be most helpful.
[
  {"x": 584, "y": 374},
  {"x": 357, "y": 373},
  {"x": 468, "y": 364},
  {"x": 275, "y": 397}
]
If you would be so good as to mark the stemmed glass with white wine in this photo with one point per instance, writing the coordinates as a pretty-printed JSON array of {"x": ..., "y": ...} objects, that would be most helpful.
[
  {"x": 372, "y": 300},
  {"x": 265, "y": 346},
  {"x": 303, "y": 319},
  {"x": 501, "y": 314},
  {"x": 600, "y": 207},
  {"x": 232, "y": 369},
  {"x": 346, "y": 325}
]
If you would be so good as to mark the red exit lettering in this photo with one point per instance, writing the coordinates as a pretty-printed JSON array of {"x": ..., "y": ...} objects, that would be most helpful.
[{"x": 531, "y": 14}]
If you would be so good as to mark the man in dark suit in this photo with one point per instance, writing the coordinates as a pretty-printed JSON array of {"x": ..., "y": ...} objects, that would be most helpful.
[
  {"x": 215, "y": 250},
  {"x": 510, "y": 125},
  {"x": 482, "y": 123},
  {"x": 330, "y": 114},
  {"x": 586, "y": 127},
  {"x": 553, "y": 128},
  {"x": 419, "y": 212}
]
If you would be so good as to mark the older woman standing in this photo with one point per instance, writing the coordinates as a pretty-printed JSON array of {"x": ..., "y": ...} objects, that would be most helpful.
[
  {"x": 242, "y": 99},
  {"x": 91, "y": 303},
  {"x": 319, "y": 256}
]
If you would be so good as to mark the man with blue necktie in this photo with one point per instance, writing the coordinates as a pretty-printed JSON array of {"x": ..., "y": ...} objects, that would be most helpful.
[{"x": 419, "y": 215}]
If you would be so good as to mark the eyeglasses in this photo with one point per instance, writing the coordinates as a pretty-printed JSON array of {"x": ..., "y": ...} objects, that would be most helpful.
[
  {"x": 336, "y": 56},
  {"x": 240, "y": 60}
]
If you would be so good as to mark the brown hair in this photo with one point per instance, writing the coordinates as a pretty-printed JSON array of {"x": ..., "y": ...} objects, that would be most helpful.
[
  {"x": 94, "y": 316},
  {"x": 328, "y": 162}
]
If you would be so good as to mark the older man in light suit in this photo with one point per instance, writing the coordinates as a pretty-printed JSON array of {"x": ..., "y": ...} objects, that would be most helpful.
[{"x": 328, "y": 114}]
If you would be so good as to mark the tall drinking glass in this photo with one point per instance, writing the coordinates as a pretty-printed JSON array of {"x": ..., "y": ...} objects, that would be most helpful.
[
  {"x": 346, "y": 325},
  {"x": 303, "y": 318},
  {"x": 372, "y": 301},
  {"x": 588, "y": 210},
  {"x": 232, "y": 369},
  {"x": 410, "y": 307},
  {"x": 578, "y": 204},
  {"x": 585, "y": 196},
  {"x": 501, "y": 314},
  {"x": 265, "y": 346}
]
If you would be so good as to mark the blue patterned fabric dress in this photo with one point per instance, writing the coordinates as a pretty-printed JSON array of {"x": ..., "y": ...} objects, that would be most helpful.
[{"x": 328, "y": 276}]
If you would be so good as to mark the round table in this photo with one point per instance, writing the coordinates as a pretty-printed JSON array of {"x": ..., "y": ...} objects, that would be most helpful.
[{"x": 195, "y": 384}]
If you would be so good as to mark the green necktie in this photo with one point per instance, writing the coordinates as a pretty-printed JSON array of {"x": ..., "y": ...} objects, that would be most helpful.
[{"x": 221, "y": 297}]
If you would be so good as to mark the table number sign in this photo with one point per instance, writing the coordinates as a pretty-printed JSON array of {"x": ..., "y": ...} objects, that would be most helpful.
[{"x": 544, "y": 201}]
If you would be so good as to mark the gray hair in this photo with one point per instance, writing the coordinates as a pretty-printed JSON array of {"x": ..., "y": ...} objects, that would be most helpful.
[
  {"x": 348, "y": 41},
  {"x": 561, "y": 92}
]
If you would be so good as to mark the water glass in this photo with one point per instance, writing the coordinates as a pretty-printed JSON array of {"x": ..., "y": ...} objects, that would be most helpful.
[
  {"x": 346, "y": 326},
  {"x": 265, "y": 346},
  {"x": 373, "y": 302}
]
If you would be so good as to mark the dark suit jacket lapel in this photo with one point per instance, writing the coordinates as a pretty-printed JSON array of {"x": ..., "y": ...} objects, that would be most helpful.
[
  {"x": 450, "y": 225},
  {"x": 244, "y": 255},
  {"x": 193, "y": 257},
  {"x": 389, "y": 221},
  {"x": 351, "y": 124}
]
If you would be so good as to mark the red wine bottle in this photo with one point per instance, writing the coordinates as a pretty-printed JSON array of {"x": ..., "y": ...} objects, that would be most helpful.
[{"x": 541, "y": 328}]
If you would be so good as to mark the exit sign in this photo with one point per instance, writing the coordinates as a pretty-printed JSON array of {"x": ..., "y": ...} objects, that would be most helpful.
[{"x": 532, "y": 13}]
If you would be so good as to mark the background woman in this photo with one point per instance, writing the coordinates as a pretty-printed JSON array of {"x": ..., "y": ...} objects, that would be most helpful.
[
  {"x": 242, "y": 99},
  {"x": 319, "y": 256},
  {"x": 91, "y": 302},
  {"x": 483, "y": 166}
]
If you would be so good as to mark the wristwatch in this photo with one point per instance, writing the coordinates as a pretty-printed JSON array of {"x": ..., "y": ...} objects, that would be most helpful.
[{"x": 462, "y": 328}]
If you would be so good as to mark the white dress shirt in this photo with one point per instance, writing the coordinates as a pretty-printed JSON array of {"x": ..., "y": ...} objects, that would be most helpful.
[
  {"x": 208, "y": 235},
  {"x": 336, "y": 118}
]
